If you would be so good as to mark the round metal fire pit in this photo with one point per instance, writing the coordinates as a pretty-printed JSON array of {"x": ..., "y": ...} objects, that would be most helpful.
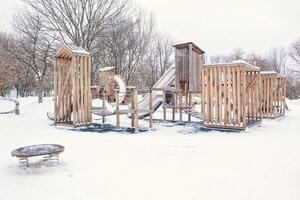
[{"x": 50, "y": 151}]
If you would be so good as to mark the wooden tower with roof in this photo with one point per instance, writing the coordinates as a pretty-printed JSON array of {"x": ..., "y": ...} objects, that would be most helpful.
[
  {"x": 189, "y": 60},
  {"x": 72, "y": 95}
]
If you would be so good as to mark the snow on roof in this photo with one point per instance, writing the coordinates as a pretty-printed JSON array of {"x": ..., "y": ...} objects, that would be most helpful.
[
  {"x": 268, "y": 72},
  {"x": 235, "y": 62},
  {"x": 106, "y": 69},
  {"x": 272, "y": 73},
  {"x": 63, "y": 51},
  {"x": 184, "y": 45}
]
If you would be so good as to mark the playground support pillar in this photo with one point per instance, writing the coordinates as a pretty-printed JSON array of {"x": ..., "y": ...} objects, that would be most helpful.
[
  {"x": 150, "y": 109},
  {"x": 117, "y": 110},
  {"x": 136, "y": 116},
  {"x": 164, "y": 105}
]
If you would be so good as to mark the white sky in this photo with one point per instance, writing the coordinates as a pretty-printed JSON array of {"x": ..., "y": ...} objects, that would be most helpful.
[{"x": 216, "y": 26}]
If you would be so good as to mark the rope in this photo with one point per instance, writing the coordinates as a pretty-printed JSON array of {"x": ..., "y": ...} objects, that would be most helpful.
[{"x": 12, "y": 100}]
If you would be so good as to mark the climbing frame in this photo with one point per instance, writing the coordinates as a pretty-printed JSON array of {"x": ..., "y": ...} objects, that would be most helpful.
[
  {"x": 230, "y": 95},
  {"x": 72, "y": 95},
  {"x": 273, "y": 88}
]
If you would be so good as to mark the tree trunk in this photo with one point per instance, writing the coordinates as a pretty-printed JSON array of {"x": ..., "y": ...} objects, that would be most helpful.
[{"x": 40, "y": 90}]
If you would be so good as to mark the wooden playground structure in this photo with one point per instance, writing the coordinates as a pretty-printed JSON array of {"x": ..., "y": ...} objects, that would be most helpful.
[
  {"x": 230, "y": 96},
  {"x": 72, "y": 96},
  {"x": 273, "y": 88}
]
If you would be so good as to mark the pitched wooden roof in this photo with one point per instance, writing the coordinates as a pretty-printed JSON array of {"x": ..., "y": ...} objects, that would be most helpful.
[
  {"x": 67, "y": 50},
  {"x": 186, "y": 45}
]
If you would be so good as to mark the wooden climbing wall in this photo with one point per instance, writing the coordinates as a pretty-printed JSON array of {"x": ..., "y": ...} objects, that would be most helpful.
[
  {"x": 273, "y": 88},
  {"x": 230, "y": 95}
]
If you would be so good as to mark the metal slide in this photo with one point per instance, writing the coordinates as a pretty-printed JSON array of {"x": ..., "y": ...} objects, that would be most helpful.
[
  {"x": 157, "y": 100},
  {"x": 122, "y": 87}
]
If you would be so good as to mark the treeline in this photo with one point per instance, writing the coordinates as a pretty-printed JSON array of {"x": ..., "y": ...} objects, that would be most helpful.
[{"x": 116, "y": 32}]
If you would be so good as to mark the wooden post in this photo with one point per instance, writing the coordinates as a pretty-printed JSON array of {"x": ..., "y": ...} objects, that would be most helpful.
[
  {"x": 55, "y": 90},
  {"x": 117, "y": 110},
  {"x": 73, "y": 74},
  {"x": 174, "y": 95},
  {"x": 189, "y": 104},
  {"x": 164, "y": 105},
  {"x": 180, "y": 105},
  {"x": 17, "y": 111},
  {"x": 132, "y": 107},
  {"x": 150, "y": 109},
  {"x": 136, "y": 117},
  {"x": 174, "y": 104},
  {"x": 103, "y": 106}
]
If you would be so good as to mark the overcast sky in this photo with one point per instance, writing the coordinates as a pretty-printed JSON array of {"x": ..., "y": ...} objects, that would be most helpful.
[{"x": 216, "y": 26}]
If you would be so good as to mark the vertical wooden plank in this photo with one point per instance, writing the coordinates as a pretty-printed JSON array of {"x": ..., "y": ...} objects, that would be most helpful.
[
  {"x": 55, "y": 89},
  {"x": 216, "y": 92},
  {"x": 271, "y": 95},
  {"x": 207, "y": 103},
  {"x": 220, "y": 97},
  {"x": 180, "y": 105},
  {"x": 77, "y": 89},
  {"x": 136, "y": 110},
  {"x": 86, "y": 89},
  {"x": 73, "y": 74},
  {"x": 191, "y": 71},
  {"x": 208, "y": 95},
  {"x": 243, "y": 75},
  {"x": 117, "y": 110},
  {"x": 229, "y": 95},
  {"x": 103, "y": 106},
  {"x": 225, "y": 72},
  {"x": 211, "y": 96},
  {"x": 174, "y": 104},
  {"x": 239, "y": 95},
  {"x": 189, "y": 104},
  {"x": 81, "y": 79},
  {"x": 89, "y": 91},
  {"x": 234, "y": 95},
  {"x": 203, "y": 92}
]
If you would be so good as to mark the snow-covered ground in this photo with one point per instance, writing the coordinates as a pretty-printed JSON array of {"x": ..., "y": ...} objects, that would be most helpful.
[{"x": 171, "y": 162}]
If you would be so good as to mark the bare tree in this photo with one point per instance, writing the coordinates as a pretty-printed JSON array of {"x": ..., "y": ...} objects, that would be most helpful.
[
  {"x": 277, "y": 58},
  {"x": 217, "y": 59},
  {"x": 295, "y": 52},
  {"x": 125, "y": 44},
  {"x": 158, "y": 58},
  {"x": 33, "y": 48},
  {"x": 237, "y": 54},
  {"x": 78, "y": 21}
]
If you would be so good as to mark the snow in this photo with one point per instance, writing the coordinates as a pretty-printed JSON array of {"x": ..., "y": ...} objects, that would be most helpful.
[
  {"x": 103, "y": 69},
  {"x": 235, "y": 62},
  {"x": 171, "y": 162},
  {"x": 6, "y": 105},
  {"x": 99, "y": 103}
]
